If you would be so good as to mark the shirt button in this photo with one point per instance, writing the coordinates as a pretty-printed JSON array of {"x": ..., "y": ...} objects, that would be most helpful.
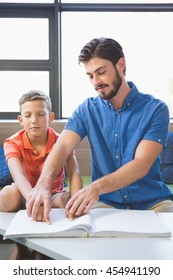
[
  {"x": 125, "y": 196},
  {"x": 116, "y": 134},
  {"x": 116, "y": 156},
  {"x": 159, "y": 140}
]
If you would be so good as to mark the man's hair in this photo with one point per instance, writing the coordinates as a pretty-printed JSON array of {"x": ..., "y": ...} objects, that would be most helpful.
[
  {"x": 104, "y": 48},
  {"x": 33, "y": 95}
]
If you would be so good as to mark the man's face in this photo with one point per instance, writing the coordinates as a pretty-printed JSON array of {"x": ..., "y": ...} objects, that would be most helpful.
[{"x": 104, "y": 76}]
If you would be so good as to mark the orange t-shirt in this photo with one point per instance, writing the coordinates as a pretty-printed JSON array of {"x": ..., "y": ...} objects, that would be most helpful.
[{"x": 18, "y": 145}]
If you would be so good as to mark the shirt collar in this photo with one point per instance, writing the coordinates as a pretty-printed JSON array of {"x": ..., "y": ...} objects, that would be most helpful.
[
  {"x": 50, "y": 141},
  {"x": 26, "y": 142},
  {"x": 130, "y": 99}
]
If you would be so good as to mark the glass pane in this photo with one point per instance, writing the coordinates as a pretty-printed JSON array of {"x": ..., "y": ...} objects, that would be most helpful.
[
  {"x": 118, "y": 2},
  {"x": 26, "y": 1},
  {"x": 14, "y": 83},
  {"x": 24, "y": 38},
  {"x": 147, "y": 44}
]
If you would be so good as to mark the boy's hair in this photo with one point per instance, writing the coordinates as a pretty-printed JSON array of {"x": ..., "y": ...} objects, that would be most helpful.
[
  {"x": 35, "y": 95},
  {"x": 104, "y": 48}
]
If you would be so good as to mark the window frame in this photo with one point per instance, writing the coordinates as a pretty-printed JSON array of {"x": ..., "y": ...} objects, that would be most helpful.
[
  {"x": 53, "y": 12},
  {"x": 52, "y": 65}
]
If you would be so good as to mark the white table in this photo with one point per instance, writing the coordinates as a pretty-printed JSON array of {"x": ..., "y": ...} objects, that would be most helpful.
[{"x": 153, "y": 248}]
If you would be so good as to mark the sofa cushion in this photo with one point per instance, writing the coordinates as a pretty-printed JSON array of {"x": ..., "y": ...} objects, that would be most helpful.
[
  {"x": 166, "y": 160},
  {"x": 5, "y": 176}
]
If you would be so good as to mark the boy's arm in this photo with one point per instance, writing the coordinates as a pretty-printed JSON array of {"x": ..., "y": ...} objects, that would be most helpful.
[
  {"x": 73, "y": 172},
  {"x": 19, "y": 177},
  {"x": 22, "y": 183}
]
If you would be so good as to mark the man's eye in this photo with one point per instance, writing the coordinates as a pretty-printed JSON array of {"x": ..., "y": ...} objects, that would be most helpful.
[
  {"x": 101, "y": 72},
  {"x": 90, "y": 76}
]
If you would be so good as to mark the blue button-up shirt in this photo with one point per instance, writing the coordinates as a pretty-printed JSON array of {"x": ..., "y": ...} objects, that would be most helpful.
[{"x": 114, "y": 136}]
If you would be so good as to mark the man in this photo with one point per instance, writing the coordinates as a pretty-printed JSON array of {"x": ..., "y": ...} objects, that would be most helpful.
[{"x": 126, "y": 129}]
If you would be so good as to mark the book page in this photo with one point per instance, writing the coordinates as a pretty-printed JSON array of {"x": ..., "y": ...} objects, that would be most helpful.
[
  {"x": 112, "y": 222},
  {"x": 24, "y": 226}
]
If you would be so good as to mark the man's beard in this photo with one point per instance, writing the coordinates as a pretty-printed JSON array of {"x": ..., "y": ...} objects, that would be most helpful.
[{"x": 116, "y": 86}]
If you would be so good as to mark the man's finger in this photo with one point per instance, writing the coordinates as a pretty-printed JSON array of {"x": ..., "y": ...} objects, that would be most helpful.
[
  {"x": 70, "y": 203},
  {"x": 47, "y": 208},
  {"x": 29, "y": 205},
  {"x": 69, "y": 215},
  {"x": 35, "y": 209}
]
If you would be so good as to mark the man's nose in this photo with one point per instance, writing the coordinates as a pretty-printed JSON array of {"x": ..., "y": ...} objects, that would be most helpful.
[{"x": 96, "y": 80}]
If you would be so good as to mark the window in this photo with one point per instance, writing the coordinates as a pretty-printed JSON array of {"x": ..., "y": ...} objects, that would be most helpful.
[
  {"x": 15, "y": 83},
  {"x": 113, "y": 1},
  {"x": 27, "y": 1},
  {"x": 41, "y": 41},
  {"x": 147, "y": 43},
  {"x": 27, "y": 56},
  {"x": 24, "y": 38}
]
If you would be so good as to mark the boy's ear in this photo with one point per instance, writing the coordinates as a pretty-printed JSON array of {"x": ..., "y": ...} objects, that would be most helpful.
[
  {"x": 51, "y": 117},
  {"x": 19, "y": 117}
]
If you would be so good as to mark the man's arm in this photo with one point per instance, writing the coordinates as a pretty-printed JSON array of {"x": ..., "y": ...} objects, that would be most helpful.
[
  {"x": 41, "y": 193},
  {"x": 83, "y": 200}
]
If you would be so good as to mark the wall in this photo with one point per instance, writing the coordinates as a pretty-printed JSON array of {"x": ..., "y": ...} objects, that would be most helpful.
[{"x": 8, "y": 128}]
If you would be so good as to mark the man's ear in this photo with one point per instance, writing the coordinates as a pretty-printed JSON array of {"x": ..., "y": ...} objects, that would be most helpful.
[
  {"x": 19, "y": 117},
  {"x": 121, "y": 64},
  {"x": 51, "y": 117}
]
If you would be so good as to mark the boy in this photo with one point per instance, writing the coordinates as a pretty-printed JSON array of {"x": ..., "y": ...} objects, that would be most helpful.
[{"x": 26, "y": 152}]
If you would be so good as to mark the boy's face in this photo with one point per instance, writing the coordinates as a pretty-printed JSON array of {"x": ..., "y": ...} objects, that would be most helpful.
[{"x": 35, "y": 118}]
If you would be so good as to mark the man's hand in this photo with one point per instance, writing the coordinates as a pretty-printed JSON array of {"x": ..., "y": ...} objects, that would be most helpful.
[
  {"x": 81, "y": 202},
  {"x": 40, "y": 196},
  {"x": 40, "y": 214}
]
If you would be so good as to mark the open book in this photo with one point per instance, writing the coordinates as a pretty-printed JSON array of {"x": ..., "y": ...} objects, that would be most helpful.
[{"x": 101, "y": 222}]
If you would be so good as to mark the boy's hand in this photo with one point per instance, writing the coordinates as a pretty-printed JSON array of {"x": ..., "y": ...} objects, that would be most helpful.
[{"x": 40, "y": 196}]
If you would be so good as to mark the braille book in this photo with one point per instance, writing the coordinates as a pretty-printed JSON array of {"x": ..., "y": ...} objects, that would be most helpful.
[{"x": 100, "y": 222}]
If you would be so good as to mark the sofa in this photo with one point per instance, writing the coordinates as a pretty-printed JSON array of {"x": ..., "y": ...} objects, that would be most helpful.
[
  {"x": 83, "y": 155},
  {"x": 166, "y": 162}
]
